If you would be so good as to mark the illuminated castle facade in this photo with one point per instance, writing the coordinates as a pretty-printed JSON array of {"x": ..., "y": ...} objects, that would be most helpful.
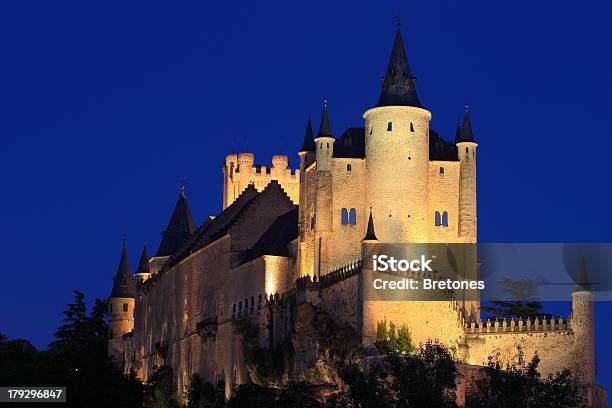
[{"x": 289, "y": 237}]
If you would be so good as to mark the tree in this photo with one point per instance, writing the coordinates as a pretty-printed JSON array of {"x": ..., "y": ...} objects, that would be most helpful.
[
  {"x": 519, "y": 386},
  {"x": 201, "y": 394},
  {"x": 252, "y": 395},
  {"x": 523, "y": 300},
  {"x": 159, "y": 391}
]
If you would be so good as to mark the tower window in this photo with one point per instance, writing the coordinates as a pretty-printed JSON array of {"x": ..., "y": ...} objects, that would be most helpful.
[
  {"x": 352, "y": 217},
  {"x": 412, "y": 127},
  {"x": 125, "y": 307},
  {"x": 438, "y": 219},
  {"x": 371, "y": 128},
  {"x": 259, "y": 301},
  {"x": 445, "y": 219},
  {"x": 348, "y": 167},
  {"x": 467, "y": 150},
  {"x": 328, "y": 145},
  {"x": 441, "y": 170},
  {"x": 321, "y": 145},
  {"x": 252, "y": 302},
  {"x": 344, "y": 217},
  {"x": 110, "y": 308},
  {"x": 389, "y": 126}
]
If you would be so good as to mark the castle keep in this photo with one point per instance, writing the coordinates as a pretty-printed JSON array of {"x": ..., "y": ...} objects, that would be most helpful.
[{"x": 292, "y": 237}]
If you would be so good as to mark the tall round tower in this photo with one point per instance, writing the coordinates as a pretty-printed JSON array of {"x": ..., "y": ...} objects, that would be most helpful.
[
  {"x": 583, "y": 326},
  {"x": 121, "y": 304},
  {"x": 466, "y": 148},
  {"x": 397, "y": 154}
]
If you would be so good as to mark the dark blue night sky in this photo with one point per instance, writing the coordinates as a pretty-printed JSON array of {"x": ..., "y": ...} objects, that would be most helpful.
[{"x": 105, "y": 106}]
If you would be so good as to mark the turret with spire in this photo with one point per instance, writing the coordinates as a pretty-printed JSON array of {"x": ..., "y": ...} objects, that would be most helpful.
[
  {"x": 398, "y": 83},
  {"x": 466, "y": 150},
  {"x": 397, "y": 148},
  {"x": 121, "y": 305},
  {"x": 324, "y": 141},
  {"x": 307, "y": 152},
  {"x": 144, "y": 269},
  {"x": 180, "y": 227}
]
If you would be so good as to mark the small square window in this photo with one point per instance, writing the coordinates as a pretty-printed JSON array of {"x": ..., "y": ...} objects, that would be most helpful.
[{"x": 125, "y": 307}]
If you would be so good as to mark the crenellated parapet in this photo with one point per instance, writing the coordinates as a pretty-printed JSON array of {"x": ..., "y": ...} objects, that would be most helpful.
[
  {"x": 240, "y": 171},
  {"x": 518, "y": 325}
]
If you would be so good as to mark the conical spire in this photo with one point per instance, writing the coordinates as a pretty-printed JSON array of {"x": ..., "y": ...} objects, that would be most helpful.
[
  {"x": 309, "y": 144},
  {"x": 398, "y": 86},
  {"x": 179, "y": 228},
  {"x": 458, "y": 133},
  {"x": 143, "y": 264},
  {"x": 325, "y": 127},
  {"x": 583, "y": 285},
  {"x": 466, "y": 134},
  {"x": 123, "y": 285},
  {"x": 370, "y": 234}
]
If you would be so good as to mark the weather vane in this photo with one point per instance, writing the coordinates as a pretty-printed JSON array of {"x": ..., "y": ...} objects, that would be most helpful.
[{"x": 182, "y": 183}]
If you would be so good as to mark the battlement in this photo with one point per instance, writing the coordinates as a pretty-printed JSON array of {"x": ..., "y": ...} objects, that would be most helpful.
[
  {"x": 518, "y": 325},
  {"x": 240, "y": 171}
]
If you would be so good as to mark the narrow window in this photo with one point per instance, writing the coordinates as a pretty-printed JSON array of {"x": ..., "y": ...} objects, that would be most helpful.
[
  {"x": 239, "y": 307},
  {"x": 389, "y": 127},
  {"x": 445, "y": 219},
  {"x": 371, "y": 128},
  {"x": 111, "y": 333},
  {"x": 328, "y": 145},
  {"x": 467, "y": 150},
  {"x": 111, "y": 308},
  {"x": 348, "y": 167},
  {"x": 252, "y": 302},
  {"x": 125, "y": 307},
  {"x": 259, "y": 302},
  {"x": 321, "y": 145},
  {"x": 441, "y": 170},
  {"x": 438, "y": 220},
  {"x": 412, "y": 127},
  {"x": 344, "y": 216},
  {"x": 352, "y": 216}
]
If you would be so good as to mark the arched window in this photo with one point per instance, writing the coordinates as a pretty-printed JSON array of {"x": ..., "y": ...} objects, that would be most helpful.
[
  {"x": 467, "y": 150},
  {"x": 349, "y": 167},
  {"x": 389, "y": 127},
  {"x": 438, "y": 220},
  {"x": 344, "y": 218},
  {"x": 412, "y": 127},
  {"x": 445, "y": 219},
  {"x": 441, "y": 170},
  {"x": 353, "y": 216}
]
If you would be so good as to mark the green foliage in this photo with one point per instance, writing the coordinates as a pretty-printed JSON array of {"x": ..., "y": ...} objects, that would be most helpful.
[
  {"x": 392, "y": 339},
  {"x": 519, "y": 386},
  {"x": 159, "y": 391},
  {"x": 77, "y": 359},
  {"x": 423, "y": 380},
  {"x": 268, "y": 364},
  {"x": 200, "y": 394},
  {"x": 252, "y": 395},
  {"x": 524, "y": 300}
]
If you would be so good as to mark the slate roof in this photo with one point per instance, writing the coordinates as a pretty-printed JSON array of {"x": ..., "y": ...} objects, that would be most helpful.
[
  {"x": 309, "y": 144},
  {"x": 352, "y": 145},
  {"x": 180, "y": 228},
  {"x": 276, "y": 240},
  {"x": 465, "y": 134},
  {"x": 370, "y": 234},
  {"x": 143, "y": 264},
  {"x": 123, "y": 282},
  {"x": 399, "y": 85},
  {"x": 325, "y": 126}
]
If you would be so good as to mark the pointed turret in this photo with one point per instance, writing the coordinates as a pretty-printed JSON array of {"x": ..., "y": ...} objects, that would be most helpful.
[
  {"x": 325, "y": 127},
  {"x": 458, "y": 133},
  {"x": 398, "y": 83},
  {"x": 370, "y": 234},
  {"x": 583, "y": 285},
  {"x": 309, "y": 144},
  {"x": 466, "y": 134},
  {"x": 123, "y": 285},
  {"x": 179, "y": 228},
  {"x": 143, "y": 264}
]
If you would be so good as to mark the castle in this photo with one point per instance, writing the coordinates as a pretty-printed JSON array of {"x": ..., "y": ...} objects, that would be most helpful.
[{"x": 287, "y": 237}]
